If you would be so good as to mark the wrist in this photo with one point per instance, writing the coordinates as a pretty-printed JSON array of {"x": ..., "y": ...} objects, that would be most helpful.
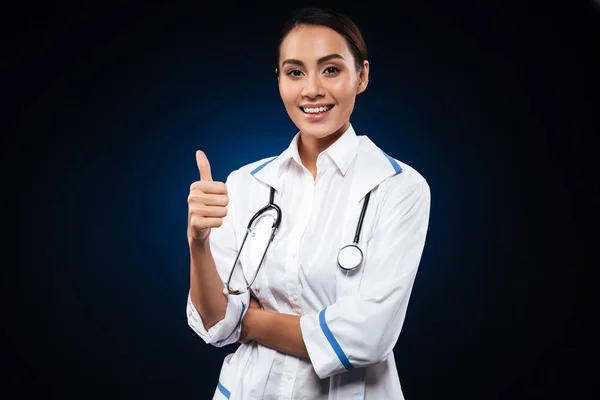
[
  {"x": 198, "y": 245},
  {"x": 251, "y": 322}
]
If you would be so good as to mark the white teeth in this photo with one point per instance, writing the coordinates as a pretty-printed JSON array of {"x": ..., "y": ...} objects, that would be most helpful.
[{"x": 317, "y": 110}]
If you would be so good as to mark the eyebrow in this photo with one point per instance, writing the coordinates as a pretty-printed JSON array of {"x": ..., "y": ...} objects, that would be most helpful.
[{"x": 321, "y": 60}]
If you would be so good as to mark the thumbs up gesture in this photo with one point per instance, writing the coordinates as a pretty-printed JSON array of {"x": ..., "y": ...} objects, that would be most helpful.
[{"x": 207, "y": 202}]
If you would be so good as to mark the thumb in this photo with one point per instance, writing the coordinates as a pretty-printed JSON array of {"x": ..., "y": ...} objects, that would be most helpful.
[{"x": 203, "y": 166}]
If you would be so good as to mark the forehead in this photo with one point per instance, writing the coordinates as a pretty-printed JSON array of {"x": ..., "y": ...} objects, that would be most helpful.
[{"x": 308, "y": 42}]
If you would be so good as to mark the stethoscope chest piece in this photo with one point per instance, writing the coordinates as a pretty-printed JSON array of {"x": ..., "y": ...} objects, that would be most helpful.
[{"x": 350, "y": 257}]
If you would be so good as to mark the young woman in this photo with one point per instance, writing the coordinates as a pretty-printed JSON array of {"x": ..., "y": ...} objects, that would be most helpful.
[{"x": 327, "y": 298}]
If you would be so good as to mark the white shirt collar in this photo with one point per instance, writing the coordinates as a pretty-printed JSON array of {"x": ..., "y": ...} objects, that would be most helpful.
[
  {"x": 373, "y": 164},
  {"x": 342, "y": 151}
]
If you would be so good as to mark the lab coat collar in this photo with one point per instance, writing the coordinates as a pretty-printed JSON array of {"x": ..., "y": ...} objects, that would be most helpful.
[
  {"x": 373, "y": 165},
  {"x": 344, "y": 150}
]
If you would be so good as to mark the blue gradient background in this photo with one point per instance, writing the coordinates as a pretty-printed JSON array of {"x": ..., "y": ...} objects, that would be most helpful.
[{"x": 493, "y": 104}]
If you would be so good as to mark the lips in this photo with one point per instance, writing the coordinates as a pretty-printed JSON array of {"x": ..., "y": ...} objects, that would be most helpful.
[
  {"x": 316, "y": 108},
  {"x": 316, "y": 113}
]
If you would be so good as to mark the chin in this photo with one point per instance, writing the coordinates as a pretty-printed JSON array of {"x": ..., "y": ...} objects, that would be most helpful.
[{"x": 317, "y": 131}]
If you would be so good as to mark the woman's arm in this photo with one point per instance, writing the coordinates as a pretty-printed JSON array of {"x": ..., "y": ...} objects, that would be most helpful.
[
  {"x": 206, "y": 291},
  {"x": 207, "y": 204},
  {"x": 362, "y": 328},
  {"x": 216, "y": 318},
  {"x": 276, "y": 330}
]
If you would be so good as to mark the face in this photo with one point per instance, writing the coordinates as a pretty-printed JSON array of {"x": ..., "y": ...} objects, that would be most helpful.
[{"x": 319, "y": 81}]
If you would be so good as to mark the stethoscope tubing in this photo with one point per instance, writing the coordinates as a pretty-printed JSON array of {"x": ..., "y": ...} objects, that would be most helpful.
[{"x": 272, "y": 206}]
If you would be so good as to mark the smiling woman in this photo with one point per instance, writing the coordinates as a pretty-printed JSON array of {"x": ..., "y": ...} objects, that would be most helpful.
[
  {"x": 322, "y": 66},
  {"x": 308, "y": 258}
]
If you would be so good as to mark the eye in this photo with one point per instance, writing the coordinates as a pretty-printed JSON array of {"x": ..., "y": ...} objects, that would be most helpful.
[
  {"x": 294, "y": 72},
  {"x": 331, "y": 70}
]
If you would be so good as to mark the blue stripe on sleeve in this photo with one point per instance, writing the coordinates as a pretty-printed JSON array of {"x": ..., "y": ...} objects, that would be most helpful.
[
  {"x": 223, "y": 390},
  {"x": 236, "y": 326},
  {"x": 332, "y": 341}
]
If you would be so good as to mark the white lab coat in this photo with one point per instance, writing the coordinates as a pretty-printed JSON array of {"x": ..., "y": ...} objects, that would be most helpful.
[{"x": 351, "y": 340}]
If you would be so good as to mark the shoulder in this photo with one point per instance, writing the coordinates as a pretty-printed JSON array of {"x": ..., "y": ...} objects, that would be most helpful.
[
  {"x": 407, "y": 189},
  {"x": 408, "y": 177},
  {"x": 404, "y": 195}
]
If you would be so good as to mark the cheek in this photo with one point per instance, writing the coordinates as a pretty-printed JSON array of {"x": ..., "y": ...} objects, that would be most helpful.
[
  {"x": 346, "y": 101},
  {"x": 287, "y": 93},
  {"x": 344, "y": 91}
]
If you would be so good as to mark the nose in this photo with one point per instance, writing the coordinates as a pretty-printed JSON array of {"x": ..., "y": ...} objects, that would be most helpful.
[{"x": 313, "y": 87}]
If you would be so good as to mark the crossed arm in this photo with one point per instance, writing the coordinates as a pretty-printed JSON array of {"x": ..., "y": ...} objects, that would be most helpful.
[
  {"x": 357, "y": 330},
  {"x": 272, "y": 329},
  {"x": 387, "y": 284}
]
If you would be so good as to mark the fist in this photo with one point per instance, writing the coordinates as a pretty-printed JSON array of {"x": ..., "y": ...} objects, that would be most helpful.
[{"x": 207, "y": 202}]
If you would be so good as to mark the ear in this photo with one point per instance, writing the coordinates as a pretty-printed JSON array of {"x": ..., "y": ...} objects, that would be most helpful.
[{"x": 363, "y": 78}]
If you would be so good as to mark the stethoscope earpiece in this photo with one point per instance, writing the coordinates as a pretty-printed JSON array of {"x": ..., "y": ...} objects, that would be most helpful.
[{"x": 227, "y": 292}]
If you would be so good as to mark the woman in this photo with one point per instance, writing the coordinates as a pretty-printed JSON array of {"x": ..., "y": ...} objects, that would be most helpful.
[{"x": 309, "y": 329}]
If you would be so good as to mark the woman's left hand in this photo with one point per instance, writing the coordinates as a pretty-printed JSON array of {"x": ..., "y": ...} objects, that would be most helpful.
[{"x": 254, "y": 305}]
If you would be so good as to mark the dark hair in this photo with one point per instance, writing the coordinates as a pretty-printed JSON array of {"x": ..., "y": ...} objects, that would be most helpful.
[{"x": 331, "y": 19}]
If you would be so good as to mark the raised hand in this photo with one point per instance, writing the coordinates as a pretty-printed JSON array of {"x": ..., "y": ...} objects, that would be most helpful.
[{"x": 207, "y": 202}]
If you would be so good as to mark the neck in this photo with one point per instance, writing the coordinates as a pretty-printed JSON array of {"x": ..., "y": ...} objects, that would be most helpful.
[{"x": 309, "y": 148}]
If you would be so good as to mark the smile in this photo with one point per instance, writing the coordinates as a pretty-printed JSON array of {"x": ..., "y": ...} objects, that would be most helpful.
[{"x": 317, "y": 110}]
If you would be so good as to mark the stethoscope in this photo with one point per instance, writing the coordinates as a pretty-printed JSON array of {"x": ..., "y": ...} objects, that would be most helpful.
[{"x": 349, "y": 257}]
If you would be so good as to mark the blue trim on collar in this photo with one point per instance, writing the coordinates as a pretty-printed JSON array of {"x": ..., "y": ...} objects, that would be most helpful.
[
  {"x": 394, "y": 163},
  {"x": 262, "y": 165}
]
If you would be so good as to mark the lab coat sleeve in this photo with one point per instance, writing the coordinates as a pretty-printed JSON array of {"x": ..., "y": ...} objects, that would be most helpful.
[
  {"x": 362, "y": 329},
  {"x": 224, "y": 247}
]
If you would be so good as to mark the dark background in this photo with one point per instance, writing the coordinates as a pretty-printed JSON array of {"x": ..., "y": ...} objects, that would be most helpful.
[{"x": 495, "y": 103}]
